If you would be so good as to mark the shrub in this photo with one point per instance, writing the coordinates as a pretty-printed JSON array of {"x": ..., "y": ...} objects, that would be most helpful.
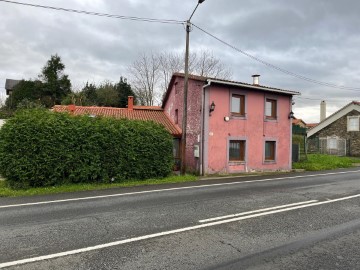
[
  {"x": 42, "y": 148},
  {"x": 317, "y": 162}
]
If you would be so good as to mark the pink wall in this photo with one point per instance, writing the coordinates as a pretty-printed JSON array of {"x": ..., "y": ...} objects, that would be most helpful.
[
  {"x": 175, "y": 101},
  {"x": 254, "y": 129}
]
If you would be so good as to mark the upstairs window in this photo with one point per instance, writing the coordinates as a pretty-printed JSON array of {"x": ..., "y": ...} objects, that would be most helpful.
[
  {"x": 353, "y": 123},
  {"x": 270, "y": 149},
  {"x": 238, "y": 105},
  {"x": 236, "y": 150},
  {"x": 176, "y": 88},
  {"x": 176, "y": 120},
  {"x": 270, "y": 108}
]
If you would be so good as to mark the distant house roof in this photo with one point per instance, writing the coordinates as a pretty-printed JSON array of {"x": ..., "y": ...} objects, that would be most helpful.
[
  {"x": 311, "y": 125},
  {"x": 228, "y": 83},
  {"x": 10, "y": 84},
  {"x": 354, "y": 105},
  {"x": 145, "y": 113},
  {"x": 298, "y": 122}
]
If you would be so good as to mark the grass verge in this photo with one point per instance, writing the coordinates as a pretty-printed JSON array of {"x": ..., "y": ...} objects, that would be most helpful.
[
  {"x": 6, "y": 191},
  {"x": 317, "y": 162}
]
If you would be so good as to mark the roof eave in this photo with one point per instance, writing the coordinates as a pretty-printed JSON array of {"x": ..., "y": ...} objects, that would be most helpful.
[{"x": 255, "y": 87}]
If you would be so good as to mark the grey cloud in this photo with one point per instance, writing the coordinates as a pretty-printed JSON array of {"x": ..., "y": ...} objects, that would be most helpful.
[{"x": 316, "y": 39}]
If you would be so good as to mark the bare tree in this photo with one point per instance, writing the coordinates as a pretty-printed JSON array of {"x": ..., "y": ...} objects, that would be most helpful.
[
  {"x": 145, "y": 75},
  {"x": 170, "y": 63},
  {"x": 207, "y": 65},
  {"x": 151, "y": 74}
]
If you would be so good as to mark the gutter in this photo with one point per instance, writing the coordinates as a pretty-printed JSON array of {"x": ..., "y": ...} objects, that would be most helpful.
[{"x": 255, "y": 87}]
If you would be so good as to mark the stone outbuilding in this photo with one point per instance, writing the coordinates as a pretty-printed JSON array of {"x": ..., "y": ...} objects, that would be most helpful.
[{"x": 338, "y": 134}]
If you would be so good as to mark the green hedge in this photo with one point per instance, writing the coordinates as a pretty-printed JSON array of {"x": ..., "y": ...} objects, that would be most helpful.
[{"x": 42, "y": 148}]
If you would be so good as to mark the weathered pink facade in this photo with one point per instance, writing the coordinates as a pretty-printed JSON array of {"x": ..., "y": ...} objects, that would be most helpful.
[
  {"x": 174, "y": 108},
  {"x": 213, "y": 132}
]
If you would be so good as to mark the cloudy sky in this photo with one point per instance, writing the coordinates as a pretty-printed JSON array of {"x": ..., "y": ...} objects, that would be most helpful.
[{"x": 319, "y": 40}]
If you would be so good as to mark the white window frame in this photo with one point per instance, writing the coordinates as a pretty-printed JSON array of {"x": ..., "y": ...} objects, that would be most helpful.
[
  {"x": 332, "y": 143},
  {"x": 356, "y": 119}
]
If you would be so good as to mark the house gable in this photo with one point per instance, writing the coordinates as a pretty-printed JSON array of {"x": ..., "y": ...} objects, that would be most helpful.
[{"x": 347, "y": 110}]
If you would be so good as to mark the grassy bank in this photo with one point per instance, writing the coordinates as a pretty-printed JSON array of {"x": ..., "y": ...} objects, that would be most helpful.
[
  {"x": 6, "y": 191},
  {"x": 317, "y": 162}
]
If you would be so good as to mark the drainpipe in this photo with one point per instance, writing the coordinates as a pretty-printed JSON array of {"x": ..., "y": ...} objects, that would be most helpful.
[
  {"x": 202, "y": 160},
  {"x": 290, "y": 120}
]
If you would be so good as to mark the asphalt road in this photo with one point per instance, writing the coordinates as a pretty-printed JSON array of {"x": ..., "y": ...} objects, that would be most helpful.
[{"x": 295, "y": 221}]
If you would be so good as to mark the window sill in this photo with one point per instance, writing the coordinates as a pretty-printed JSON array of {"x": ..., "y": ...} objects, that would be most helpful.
[
  {"x": 235, "y": 163},
  {"x": 266, "y": 162},
  {"x": 270, "y": 119},
  {"x": 237, "y": 117}
]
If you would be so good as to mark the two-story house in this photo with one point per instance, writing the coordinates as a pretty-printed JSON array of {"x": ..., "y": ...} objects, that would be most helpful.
[{"x": 232, "y": 126}]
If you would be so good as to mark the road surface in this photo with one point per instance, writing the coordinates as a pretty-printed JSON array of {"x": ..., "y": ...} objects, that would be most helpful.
[{"x": 293, "y": 221}]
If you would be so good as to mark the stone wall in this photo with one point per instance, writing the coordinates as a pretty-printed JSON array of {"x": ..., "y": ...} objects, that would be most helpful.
[{"x": 339, "y": 128}]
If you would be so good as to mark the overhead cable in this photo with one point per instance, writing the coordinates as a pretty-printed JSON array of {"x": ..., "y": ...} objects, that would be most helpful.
[
  {"x": 356, "y": 89},
  {"x": 133, "y": 18}
]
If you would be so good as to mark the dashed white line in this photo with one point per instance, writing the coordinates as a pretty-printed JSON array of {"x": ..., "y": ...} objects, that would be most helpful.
[
  {"x": 256, "y": 211},
  {"x": 135, "y": 239}
]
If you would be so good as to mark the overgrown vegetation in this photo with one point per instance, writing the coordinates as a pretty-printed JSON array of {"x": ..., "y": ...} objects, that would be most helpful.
[
  {"x": 42, "y": 148},
  {"x": 299, "y": 139},
  {"x": 105, "y": 94},
  {"x": 317, "y": 162},
  {"x": 53, "y": 87},
  {"x": 7, "y": 191}
]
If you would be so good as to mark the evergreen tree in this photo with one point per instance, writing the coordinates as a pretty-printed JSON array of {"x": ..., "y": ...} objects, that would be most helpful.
[
  {"x": 25, "y": 90},
  {"x": 124, "y": 90},
  {"x": 90, "y": 94},
  {"x": 56, "y": 85}
]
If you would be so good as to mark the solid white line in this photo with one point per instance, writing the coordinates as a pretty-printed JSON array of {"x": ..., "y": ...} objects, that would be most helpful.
[
  {"x": 135, "y": 239},
  {"x": 256, "y": 211},
  {"x": 172, "y": 189}
]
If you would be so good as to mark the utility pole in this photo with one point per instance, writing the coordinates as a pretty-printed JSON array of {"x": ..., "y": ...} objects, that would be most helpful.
[{"x": 186, "y": 86}]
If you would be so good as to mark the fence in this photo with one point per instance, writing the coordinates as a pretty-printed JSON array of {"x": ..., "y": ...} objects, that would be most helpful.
[
  {"x": 299, "y": 151},
  {"x": 328, "y": 145}
]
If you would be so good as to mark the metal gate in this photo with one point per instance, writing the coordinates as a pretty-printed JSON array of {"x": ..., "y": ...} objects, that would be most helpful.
[{"x": 332, "y": 146}]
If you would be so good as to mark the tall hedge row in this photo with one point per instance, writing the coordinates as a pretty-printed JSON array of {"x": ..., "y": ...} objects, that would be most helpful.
[{"x": 43, "y": 148}]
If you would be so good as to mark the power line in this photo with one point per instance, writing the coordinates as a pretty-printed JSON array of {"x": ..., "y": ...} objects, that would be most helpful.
[
  {"x": 356, "y": 89},
  {"x": 133, "y": 18},
  {"x": 328, "y": 100},
  {"x": 167, "y": 21},
  {"x": 310, "y": 98}
]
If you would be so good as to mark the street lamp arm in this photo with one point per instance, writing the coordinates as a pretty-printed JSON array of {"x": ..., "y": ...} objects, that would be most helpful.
[
  {"x": 194, "y": 11},
  {"x": 199, "y": 2}
]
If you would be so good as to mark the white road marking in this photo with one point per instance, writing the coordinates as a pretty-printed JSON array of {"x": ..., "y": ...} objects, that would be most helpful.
[
  {"x": 255, "y": 211},
  {"x": 144, "y": 237},
  {"x": 172, "y": 189}
]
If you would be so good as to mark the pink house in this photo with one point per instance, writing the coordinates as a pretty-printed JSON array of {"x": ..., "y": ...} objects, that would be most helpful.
[{"x": 232, "y": 126}]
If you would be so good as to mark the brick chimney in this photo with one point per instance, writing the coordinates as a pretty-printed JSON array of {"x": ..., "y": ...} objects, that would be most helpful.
[
  {"x": 255, "y": 79},
  {"x": 71, "y": 108},
  {"x": 130, "y": 103}
]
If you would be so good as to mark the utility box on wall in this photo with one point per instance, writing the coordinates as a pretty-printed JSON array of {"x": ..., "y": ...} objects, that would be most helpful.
[{"x": 196, "y": 151}]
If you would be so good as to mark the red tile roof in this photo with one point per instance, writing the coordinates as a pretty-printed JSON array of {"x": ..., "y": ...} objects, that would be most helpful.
[
  {"x": 145, "y": 113},
  {"x": 311, "y": 125},
  {"x": 296, "y": 121}
]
